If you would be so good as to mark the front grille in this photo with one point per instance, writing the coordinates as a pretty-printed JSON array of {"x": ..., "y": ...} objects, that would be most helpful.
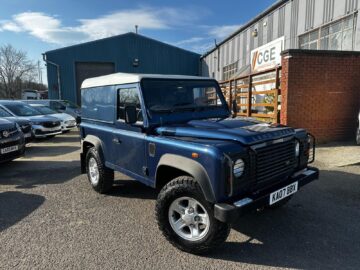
[
  {"x": 10, "y": 132},
  {"x": 275, "y": 162},
  {"x": 40, "y": 132},
  {"x": 51, "y": 124},
  {"x": 10, "y": 143}
]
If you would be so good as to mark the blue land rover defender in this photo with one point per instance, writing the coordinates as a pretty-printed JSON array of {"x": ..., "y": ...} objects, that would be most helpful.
[{"x": 176, "y": 134}]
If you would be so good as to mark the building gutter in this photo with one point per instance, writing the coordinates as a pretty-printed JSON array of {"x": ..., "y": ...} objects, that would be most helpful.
[{"x": 57, "y": 72}]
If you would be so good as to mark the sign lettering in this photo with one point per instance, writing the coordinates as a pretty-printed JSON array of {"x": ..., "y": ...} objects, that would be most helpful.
[{"x": 267, "y": 56}]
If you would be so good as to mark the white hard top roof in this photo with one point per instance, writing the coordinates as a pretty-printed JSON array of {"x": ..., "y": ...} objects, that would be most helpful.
[{"x": 125, "y": 78}]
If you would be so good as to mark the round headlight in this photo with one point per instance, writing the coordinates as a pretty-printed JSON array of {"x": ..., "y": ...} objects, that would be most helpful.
[
  {"x": 297, "y": 149},
  {"x": 239, "y": 167}
]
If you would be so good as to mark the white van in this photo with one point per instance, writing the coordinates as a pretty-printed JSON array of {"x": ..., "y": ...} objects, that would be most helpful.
[{"x": 30, "y": 94}]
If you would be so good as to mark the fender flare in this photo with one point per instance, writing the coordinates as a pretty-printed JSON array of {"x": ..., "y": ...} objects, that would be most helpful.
[
  {"x": 98, "y": 146},
  {"x": 191, "y": 167}
]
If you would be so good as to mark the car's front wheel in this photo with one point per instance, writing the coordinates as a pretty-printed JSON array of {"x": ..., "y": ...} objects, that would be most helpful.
[
  {"x": 100, "y": 177},
  {"x": 187, "y": 219}
]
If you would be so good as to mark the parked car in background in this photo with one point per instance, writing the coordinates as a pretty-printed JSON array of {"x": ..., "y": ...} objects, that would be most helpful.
[
  {"x": 42, "y": 126},
  {"x": 30, "y": 94},
  {"x": 358, "y": 130},
  {"x": 67, "y": 121},
  {"x": 61, "y": 106},
  {"x": 12, "y": 141},
  {"x": 176, "y": 134},
  {"x": 23, "y": 123}
]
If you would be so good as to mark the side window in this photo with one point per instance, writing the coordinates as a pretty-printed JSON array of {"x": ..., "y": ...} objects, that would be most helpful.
[{"x": 126, "y": 97}]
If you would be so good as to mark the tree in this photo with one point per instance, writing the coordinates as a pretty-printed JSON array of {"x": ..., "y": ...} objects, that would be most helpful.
[{"x": 15, "y": 68}]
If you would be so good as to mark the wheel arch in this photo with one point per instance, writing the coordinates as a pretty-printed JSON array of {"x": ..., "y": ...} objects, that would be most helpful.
[
  {"x": 171, "y": 166},
  {"x": 88, "y": 142}
]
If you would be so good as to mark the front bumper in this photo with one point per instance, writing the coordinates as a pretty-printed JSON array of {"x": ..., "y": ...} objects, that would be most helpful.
[
  {"x": 42, "y": 132},
  {"x": 12, "y": 155},
  {"x": 229, "y": 212},
  {"x": 68, "y": 127},
  {"x": 28, "y": 137}
]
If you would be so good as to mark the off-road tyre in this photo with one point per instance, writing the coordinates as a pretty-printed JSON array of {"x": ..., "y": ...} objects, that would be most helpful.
[
  {"x": 185, "y": 186},
  {"x": 106, "y": 175}
]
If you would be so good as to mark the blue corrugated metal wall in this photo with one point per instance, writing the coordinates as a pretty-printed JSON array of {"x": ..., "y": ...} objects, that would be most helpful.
[{"x": 154, "y": 57}]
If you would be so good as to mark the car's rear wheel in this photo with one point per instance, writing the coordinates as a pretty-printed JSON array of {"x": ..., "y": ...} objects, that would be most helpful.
[
  {"x": 186, "y": 219},
  {"x": 100, "y": 177}
]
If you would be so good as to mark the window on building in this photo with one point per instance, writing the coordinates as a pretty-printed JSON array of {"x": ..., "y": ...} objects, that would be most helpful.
[
  {"x": 335, "y": 36},
  {"x": 230, "y": 70},
  {"x": 126, "y": 97}
]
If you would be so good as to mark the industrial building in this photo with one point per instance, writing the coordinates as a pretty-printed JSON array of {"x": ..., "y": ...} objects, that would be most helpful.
[
  {"x": 297, "y": 24},
  {"x": 297, "y": 63},
  {"x": 68, "y": 67}
]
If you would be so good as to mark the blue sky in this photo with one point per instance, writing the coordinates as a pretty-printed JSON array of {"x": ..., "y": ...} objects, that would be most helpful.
[{"x": 36, "y": 26}]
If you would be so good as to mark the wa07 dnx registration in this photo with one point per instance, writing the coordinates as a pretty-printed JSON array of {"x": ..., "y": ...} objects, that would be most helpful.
[{"x": 283, "y": 193}]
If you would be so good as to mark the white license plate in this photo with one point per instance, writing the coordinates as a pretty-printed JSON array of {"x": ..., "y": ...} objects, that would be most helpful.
[
  {"x": 27, "y": 135},
  {"x": 283, "y": 193},
  {"x": 9, "y": 149}
]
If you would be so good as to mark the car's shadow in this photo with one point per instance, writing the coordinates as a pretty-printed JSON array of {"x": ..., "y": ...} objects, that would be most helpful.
[
  {"x": 14, "y": 206},
  {"x": 49, "y": 151},
  {"x": 31, "y": 173}
]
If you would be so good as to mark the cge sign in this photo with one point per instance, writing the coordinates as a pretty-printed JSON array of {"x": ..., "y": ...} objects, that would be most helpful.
[{"x": 267, "y": 56}]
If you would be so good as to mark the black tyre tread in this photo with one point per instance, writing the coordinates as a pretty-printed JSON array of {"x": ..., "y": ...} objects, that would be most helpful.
[
  {"x": 170, "y": 190},
  {"x": 106, "y": 180}
]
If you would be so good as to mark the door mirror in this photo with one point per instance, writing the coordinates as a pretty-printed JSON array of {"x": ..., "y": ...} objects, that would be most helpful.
[
  {"x": 130, "y": 114},
  {"x": 234, "y": 108}
]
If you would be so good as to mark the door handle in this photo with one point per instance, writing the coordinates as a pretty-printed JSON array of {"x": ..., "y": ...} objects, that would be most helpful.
[{"x": 116, "y": 140}]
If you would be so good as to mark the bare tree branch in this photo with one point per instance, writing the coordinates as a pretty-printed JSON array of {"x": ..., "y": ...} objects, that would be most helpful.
[{"x": 15, "y": 68}]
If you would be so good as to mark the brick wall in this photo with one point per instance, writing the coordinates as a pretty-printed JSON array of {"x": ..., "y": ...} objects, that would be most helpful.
[{"x": 321, "y": 92}]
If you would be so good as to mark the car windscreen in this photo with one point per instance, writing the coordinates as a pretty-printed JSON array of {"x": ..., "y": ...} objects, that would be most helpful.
[
  {"x": 44, "y": 110},
  {"x": 4, "y": 113},
  {"x": 21, "y": 109},
  {"x": 162, "y": 95}
]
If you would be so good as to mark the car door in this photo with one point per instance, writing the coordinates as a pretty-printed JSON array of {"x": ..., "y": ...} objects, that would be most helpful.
[{"x": 129, "y": 139}]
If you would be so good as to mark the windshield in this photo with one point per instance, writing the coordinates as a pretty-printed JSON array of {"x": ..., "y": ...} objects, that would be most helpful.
[
  {"x": 44, "y": 110},
  {"x": 4, "y": 113},
  {"x": 20, "y": 109},
  {"x": 181, "y": 95}
]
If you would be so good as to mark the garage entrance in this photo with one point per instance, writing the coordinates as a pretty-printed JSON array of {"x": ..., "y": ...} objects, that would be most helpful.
[{"x": 85, "y": 70}]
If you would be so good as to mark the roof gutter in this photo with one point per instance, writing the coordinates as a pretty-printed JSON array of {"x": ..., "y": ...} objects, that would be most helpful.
[{"x": 57, "y": 72}]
